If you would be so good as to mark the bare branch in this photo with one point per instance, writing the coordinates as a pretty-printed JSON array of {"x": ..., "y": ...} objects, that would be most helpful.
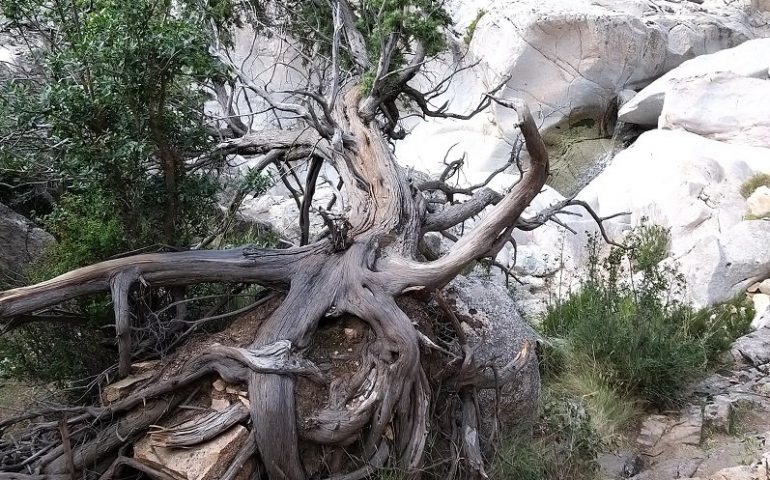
[
  {"x": 245, "y": 264},
  {"x": 493, "y": 226}
]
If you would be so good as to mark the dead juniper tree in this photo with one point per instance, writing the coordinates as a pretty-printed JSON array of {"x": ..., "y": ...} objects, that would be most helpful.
[{"x": 362, "y": 58}]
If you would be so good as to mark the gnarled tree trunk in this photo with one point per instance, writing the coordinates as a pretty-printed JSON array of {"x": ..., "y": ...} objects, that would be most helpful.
[{"x": 370, "y": 259}]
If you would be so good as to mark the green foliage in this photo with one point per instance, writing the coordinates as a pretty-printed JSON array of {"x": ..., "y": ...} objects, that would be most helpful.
[
  {"x": 626, "y": 324},
  {"x": 753, "y": 183},
  {"x": 44, "y": 352},
  {"x": 610, "y": 412},
  {"x": 414, "y": 20},
  {"x": 472, "y": 26},
  {"x": 423, "y": 21},
  {"x": 86, "y": 231},
  {"x": 420, "y": 21},
  {"x": 565, "y": 445},
  {"x": 104, "y": 127},
  {"x": 120, "y": 95}
]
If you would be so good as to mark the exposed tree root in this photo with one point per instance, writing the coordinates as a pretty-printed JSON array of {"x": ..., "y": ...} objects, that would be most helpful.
[{"x": 380, "y": 414}]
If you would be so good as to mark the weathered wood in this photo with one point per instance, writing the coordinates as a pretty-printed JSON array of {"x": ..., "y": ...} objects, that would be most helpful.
[
  {"x": 387, "y": 412},
  {"x": 200, "y": 429},
  {"x": 245, "y": 264}
]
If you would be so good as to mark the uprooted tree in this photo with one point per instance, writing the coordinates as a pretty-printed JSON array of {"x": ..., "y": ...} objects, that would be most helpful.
[{"x": 362, "y": 56}]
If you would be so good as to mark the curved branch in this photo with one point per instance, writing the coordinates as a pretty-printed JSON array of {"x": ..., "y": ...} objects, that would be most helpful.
[
  {"x": 404, "y": 274},
  {"x": 307, "y": 199},
  {"x": 355, "y": 40},
  {"x": 455, "y": 214},
  {"x": 257, "y": 143}
]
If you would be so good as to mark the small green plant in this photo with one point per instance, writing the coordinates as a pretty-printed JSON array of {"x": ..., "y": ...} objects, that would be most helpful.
[
  {"x": 472, "y": 26},
  {"x": 610, "y": 412},
  {"x": 86, "y": 232},
  {"x": 565, "y": 445},
  {"x": 753, "y": 183}
]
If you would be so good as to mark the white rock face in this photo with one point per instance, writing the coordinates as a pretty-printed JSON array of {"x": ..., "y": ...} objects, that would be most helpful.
[
  {"x": 761, "y": 311},
  {"x": 759, "y": 202},
  {"x": 679, "y": 180},
  {"x": 572, "y": 55},
  {"x": 691, "y": 185},
  {"x": 722, "y": 266},
  {"x": 720, "y": 106},
  {"x": 282, "y": 215},
  {"x": 751, "y": 59},
  {"x": 569, "y": 60}
]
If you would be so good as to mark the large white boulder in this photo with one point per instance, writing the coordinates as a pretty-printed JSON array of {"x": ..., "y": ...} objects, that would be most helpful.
[
  {"x": 569, "y": 60},
  {"x": 750, "y": 59},
  {"x": 681, "y": 181},
  {"x": 722, "y": 266},
  {"x": 720, "y": 106},
  {"x": 691, "y": 185}
]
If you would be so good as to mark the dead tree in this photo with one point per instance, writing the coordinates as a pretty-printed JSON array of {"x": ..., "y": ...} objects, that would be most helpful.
[{"x": 368, "y": 258}]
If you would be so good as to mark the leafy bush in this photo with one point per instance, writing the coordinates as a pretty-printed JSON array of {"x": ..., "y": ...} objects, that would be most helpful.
[
  {"x": 86, "y": 232},
  {"x": 753, "y": 183},
  {"x": 628, "y": 322},
  {"x": 44, "y": 352},
  {"x": 565, "y": 445}
]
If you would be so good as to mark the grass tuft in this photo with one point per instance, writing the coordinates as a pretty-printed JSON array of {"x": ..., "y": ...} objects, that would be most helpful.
[{"x": 753, "y": 183}]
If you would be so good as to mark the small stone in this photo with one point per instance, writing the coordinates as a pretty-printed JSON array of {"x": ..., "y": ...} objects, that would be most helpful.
[
  {"x": 231, "y": 390},
  {"x": 652, "y": 430},
  {"x": 688, "y": 431},
  {"x": 632, "y": 465},
  {"x": 718, "y": 415},
  {"x": 219, "y": 385},
  {"x": 736, "y": 473},
  {"x": 753, "y": 348},
  {"x": 219, "y": 403},
  {"x": 761, "y": 310},
  {"x": 351, "y": 333},
  {"x": 759, "y": 202},
  {"x": 121, "y": 388},
  {"x": 764, "y": 287},
  {"x": 206, "y": 461}
]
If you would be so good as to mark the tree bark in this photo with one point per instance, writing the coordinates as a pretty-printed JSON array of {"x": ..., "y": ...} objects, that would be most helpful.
[{"x": 374, "y": 262}]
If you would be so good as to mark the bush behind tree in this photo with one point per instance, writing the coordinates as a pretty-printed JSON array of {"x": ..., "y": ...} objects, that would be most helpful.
[{"x": 97, "y": 143}]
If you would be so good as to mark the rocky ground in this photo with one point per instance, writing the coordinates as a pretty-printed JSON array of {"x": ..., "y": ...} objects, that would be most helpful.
[{"x": 723, "y": 433}]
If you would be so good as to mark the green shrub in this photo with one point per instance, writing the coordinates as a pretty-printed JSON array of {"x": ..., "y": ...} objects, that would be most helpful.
[
  {"x": 627, "y": 321},
  {"x": 753, "y": 183},
  {"x": 565, "y": 445},
  {"x": 86, "y": 232},
  {"x": 610, "y": 412},
  {"x": 43, "y": 352}
]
